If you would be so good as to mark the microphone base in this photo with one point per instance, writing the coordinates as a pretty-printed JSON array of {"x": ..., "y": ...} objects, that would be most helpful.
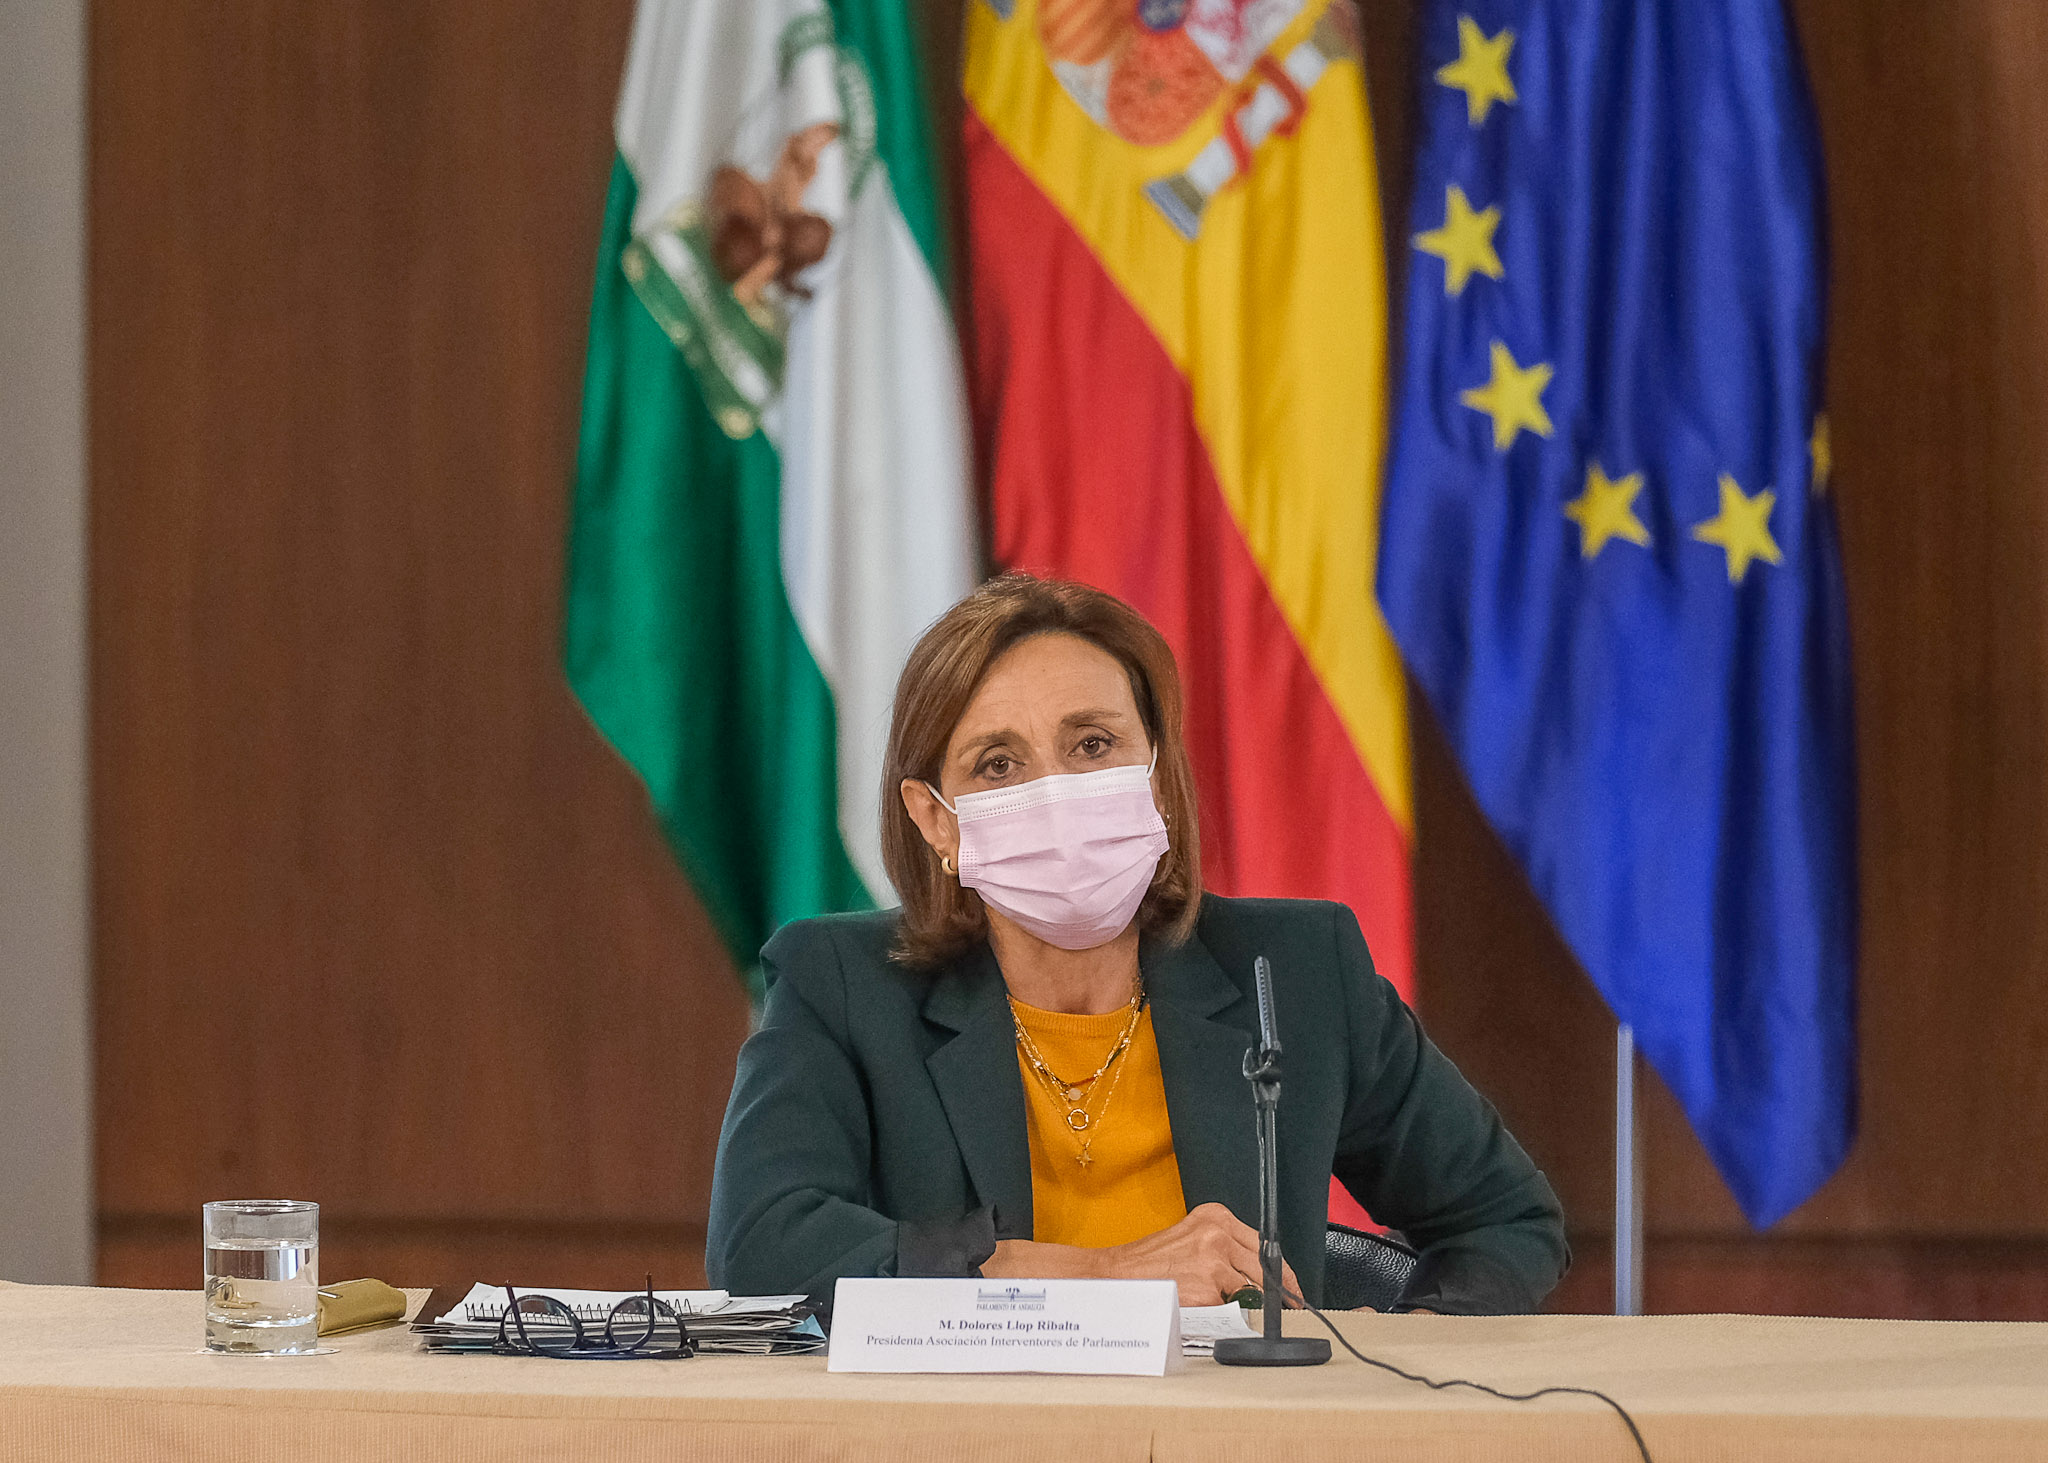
[{"x": 1279, "y": 1351}]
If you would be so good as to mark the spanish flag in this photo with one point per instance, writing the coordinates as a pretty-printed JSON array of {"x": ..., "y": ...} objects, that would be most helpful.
[{"x": 1177, "y": 372}]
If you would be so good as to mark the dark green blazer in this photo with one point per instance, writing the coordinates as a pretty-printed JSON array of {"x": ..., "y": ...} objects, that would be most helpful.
[{"x": 877, "y": 1118}]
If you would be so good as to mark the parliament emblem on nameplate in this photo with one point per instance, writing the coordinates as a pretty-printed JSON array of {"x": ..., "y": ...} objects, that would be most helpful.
[
  {"x": 1010, "y": 1298},
  {"x": 724, "y": 269}
]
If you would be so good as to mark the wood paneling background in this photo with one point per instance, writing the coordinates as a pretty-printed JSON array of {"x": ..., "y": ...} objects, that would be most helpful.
[{"x": 379, "y": 920}]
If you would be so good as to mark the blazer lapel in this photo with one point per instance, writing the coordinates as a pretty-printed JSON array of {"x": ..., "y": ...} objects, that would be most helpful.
[
  {"x": 980, "y": 1087},
  {"x": 1197, "y": 1013}
]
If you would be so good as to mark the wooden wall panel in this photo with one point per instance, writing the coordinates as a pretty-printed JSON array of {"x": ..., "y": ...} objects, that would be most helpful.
[
  {"x": 380, "y": 921},
  {"x": 1937, "y": 125}
]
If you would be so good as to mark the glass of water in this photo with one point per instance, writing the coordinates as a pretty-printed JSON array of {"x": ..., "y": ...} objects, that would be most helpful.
[{"x": 263, "y": 1276}]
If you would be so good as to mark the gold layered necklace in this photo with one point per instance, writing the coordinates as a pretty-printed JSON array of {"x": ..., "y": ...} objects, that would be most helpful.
[{"x": 1075, "y": 1097}]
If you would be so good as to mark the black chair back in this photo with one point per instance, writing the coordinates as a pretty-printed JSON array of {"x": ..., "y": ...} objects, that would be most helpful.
[{"x": 1361, "y": 1269}]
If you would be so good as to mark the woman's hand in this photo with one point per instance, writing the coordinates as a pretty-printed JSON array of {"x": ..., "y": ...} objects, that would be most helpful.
[{"x": 1211, "y": 1255}]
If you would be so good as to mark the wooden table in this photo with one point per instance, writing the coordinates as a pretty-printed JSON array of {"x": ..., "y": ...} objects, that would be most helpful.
[{"x": 117, "y": 1374}]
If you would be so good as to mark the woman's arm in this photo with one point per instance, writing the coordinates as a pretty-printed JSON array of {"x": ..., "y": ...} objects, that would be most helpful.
[
  {"x": 1426, "y": 1154},
  {"x": 791, "y": 1203},
  {"x": 791, "y": 1173}
]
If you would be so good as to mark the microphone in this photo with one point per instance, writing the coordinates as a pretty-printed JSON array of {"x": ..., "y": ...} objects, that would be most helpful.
[{"x": 1262, "y": 1070}]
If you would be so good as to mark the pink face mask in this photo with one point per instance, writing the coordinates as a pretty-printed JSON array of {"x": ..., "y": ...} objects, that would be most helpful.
[{"x": 1068, "y": 857}]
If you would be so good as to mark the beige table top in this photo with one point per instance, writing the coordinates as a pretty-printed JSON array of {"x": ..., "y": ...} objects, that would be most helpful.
[{"x": 117, "y": 1374}]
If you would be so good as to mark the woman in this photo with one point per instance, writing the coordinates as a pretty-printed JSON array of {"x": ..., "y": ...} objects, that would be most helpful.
[{"x": 1033, "y": 1067}]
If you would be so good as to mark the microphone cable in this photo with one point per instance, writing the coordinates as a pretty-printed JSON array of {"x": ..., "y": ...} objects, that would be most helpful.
[{"x": 1642, "y": 1448}]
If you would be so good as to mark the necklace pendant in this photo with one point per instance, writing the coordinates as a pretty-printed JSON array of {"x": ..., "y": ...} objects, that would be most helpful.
[
  {"x": 1083, "y": 1157},
  {"x": 1070, "y": 1093},
  {"x": 1077, "y": 1119}
]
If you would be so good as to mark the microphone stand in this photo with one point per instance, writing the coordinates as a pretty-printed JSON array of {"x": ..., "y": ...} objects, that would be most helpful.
[{"x": 1262, "y": 1070}]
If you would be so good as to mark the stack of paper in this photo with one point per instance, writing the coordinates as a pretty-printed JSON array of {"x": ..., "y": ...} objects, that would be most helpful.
[
  {"x": 756, "y": 1325},
  {"x": 1201, "y": 1327}
]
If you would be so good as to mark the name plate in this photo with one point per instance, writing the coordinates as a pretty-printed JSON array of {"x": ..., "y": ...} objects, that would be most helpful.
[{"x": 1125, "y": 1328}]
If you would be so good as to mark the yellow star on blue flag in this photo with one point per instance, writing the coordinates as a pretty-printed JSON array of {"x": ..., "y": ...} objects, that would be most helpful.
[
  {"x": 1464, "y": 241},
  {"x": 1606, "y": 510},
  {"x": 1742, "y": 529},
  {"x": 1512, "y": 396},
  {"x": 1481, "y": 70}
]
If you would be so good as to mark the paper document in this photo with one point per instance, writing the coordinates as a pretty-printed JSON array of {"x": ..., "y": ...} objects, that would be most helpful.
[
  {"x": 487, "y": 1302},
  {"x": 1201, "y": 1327}
]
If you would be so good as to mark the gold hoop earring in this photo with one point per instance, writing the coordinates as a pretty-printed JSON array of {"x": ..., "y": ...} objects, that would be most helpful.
[{"x": 946, "y": 864}]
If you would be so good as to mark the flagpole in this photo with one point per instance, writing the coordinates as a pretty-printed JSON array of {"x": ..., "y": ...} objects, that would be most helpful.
[{"x": 1628, "y": 1179}]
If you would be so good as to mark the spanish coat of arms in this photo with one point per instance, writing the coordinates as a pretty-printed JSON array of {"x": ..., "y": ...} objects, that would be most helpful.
[{"x": 1148, "y": 70}]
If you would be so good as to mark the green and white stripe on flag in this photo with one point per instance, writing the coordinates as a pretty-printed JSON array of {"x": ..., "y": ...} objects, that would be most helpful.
[{"x": 772, "y": 490}]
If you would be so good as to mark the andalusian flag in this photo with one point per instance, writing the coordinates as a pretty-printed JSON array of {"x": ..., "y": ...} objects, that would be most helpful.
[
  {"x": 1179, "y": 324},
  {"x": 772, "y": 496}
]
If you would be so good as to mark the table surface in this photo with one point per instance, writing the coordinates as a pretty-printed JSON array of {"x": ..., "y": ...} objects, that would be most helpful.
[{"x": 119, "y": 1373}]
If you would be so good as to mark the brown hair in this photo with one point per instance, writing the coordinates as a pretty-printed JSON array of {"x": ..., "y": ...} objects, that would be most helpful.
[{"x": 941, "y": 919}]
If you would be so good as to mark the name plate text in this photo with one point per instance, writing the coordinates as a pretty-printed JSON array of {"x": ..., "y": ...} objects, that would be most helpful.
[{"x": 1125, "y": 1328}]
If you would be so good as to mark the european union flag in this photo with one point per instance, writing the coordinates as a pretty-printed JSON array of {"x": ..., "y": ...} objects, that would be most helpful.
[{"x": 1609, "y": 554}]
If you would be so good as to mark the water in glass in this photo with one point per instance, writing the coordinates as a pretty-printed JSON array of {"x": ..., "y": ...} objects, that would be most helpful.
[{"x": 262, "y": 1276}]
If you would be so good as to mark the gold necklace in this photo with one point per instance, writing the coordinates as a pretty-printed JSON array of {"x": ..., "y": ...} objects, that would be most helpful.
[
  {"x": 1082, "y": 1156},
  {"x": 1070, "y": 1092},
  {"x": 1080, "y": 1123}
]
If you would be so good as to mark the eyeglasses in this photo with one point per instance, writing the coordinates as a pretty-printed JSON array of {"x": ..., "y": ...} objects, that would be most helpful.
[{"x": 638, "y": 1327}]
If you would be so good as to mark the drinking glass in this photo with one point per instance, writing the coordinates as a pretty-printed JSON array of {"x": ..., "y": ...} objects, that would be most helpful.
[{"x": 263, "y": 1276}]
